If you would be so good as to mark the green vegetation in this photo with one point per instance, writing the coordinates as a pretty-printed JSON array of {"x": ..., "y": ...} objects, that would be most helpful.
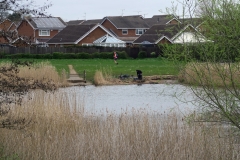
[
  {"x": 149, "y": 66},
  {"x": 126, "y": 66}
]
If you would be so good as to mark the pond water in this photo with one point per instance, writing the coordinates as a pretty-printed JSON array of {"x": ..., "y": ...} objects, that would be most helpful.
[{"x": 160, "y": 98}]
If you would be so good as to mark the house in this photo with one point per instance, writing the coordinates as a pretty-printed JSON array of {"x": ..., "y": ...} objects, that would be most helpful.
[
  {"x": 38, "y": 30},
  {"x": 170, "y": 34},
  {"x": 8, "y": 31},
  {"x": 88, "y": 35},
  {"x": 125, "y": 28},
  {"x": 162, "y": 19}
]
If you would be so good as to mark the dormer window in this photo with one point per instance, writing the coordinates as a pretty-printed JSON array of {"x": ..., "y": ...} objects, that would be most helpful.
[
  {"x": 44, "y": 32},
  {"x": 139, "y": 31},
  {"x": 124, "y": 31}
]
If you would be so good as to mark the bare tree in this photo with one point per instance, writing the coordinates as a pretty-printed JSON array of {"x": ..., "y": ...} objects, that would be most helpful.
[
  {"x": 19, "y": 7},
  {"x": 213, "y": 69},
  {"x": 12, "y": 86}
]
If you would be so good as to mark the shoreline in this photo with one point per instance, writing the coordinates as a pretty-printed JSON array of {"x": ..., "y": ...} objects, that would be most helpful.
[{"x": 156, "y": 79}]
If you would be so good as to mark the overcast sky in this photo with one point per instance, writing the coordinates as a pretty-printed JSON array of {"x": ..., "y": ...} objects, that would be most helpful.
[{"x": 96, "y": 9}]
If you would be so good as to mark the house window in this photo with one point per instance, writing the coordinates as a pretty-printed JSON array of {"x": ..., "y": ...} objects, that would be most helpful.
[
  {"x": 124, "y": 31},
  {"x": 44, "y": 32},
  {"x": 139, "y": 31}
]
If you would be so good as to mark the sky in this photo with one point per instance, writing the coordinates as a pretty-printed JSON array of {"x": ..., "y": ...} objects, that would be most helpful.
[{"x": 96, "y": 9}]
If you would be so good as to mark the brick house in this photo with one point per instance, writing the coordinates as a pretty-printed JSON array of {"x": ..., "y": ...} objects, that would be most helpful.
[
  {"x": 38, "y": 30},
  {"x": 80, "y": 35},
  {"x": 126, "y": 28},
  {"x": 170, "y": 34},
  {"x": 8, "y": 31}
]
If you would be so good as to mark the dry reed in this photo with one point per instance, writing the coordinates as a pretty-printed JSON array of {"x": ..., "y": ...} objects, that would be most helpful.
[
  {"x": 43, "y": 70},
  {"x": 103, "y": 77},
  {"x": 214, "y": 74},
  {"x": 60, "y": 129}
]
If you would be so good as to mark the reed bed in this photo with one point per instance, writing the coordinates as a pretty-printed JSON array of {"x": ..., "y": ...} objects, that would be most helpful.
[
  {"x": 59, "y": 128},
  {"x": 214, "y": 74},
  {"x": 43, "y": 70},
  {"x": 104, "y": 77}
]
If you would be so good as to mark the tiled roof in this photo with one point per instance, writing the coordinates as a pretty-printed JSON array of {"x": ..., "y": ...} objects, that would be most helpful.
[
  {"x": 71, "y": 34},
  {"x": 128, "y": 22},
  {"x": 158, "y": 19},
  {"x": 157, "y": 31},
  {"x": 92, "y": 21},
  {"x": 193, "y": 21},
  {"x": 47, "y": 22},
  {"x": 74, "y": 22}
]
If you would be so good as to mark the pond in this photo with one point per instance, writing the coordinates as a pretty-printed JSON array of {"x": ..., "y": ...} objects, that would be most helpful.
[{"x": 159, "y": 98}]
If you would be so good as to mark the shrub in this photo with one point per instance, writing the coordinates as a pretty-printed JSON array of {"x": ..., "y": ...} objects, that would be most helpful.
[
  {"x": 57, "y": 55},
  {"x": 84, "y": 55},
  {"x": 96, "y": 55},
  {"x": 142, "y": 54},
  {"x": 122, "y": 55},
  {"x": 106, "y": 55},
  {"x": 153, "y": 55}
]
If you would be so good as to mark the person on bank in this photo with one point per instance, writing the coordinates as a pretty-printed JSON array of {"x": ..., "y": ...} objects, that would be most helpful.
[{"x": 115, "y": 57}]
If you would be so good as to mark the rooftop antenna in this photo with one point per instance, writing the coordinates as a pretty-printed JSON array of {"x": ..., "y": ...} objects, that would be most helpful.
[
  {"x": 144, "y": 15},
  {"x": 122, "y": 11},
  {"x": 138, "y": 12},
  {"x": 85, "y": 16}
]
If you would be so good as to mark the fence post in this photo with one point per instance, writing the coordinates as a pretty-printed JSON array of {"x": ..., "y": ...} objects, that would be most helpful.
[{"x": 84, "y": 75}]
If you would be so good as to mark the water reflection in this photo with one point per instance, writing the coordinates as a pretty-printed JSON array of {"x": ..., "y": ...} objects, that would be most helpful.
[{"x": 120, "y": 98}]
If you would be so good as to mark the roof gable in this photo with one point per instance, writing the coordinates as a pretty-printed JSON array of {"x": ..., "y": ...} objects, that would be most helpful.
[
  {"x": 73, "y": 34},
  {"x": 160, "y": 19}
]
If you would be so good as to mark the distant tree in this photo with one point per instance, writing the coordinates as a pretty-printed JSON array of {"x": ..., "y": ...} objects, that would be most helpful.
[
  {"x": 14, "y": 16},
  {"x": 13, "y": 87},
  {"x": 17, "y": 8}
]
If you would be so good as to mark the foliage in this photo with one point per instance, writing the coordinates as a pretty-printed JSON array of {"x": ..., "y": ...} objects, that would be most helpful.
[
  {"x": 142, "y": 54},
  {"x": 213, "y": 64}
]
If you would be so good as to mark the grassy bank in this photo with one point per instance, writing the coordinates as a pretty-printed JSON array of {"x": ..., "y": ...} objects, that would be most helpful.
[
  {"x": 55, "y": 132},
  {"x": 153, "y": 66}
]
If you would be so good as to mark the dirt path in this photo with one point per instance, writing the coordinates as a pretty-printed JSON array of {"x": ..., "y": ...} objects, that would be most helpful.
[{"x": 74, "y": 78}]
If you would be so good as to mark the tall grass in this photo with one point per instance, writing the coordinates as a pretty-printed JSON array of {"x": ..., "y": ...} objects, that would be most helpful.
[
  {"x": 214, "y": 74},
  {"x": 104, "y": 76},
  {"x": 59, "y": 128},
  {"x": 42, "y": 70}
]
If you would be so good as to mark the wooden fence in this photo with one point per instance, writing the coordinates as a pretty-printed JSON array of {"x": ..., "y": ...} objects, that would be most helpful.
[{"x": 131, "y": 51}]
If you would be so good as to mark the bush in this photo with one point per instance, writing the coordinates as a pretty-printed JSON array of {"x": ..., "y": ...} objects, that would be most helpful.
[
  {"x": 122, "y": 55},
  {"x": 142, "y": 54},
  {"x": 106, "y": 55},
  {"x": 153, "y": 55},
  {"x": 84, "y": 56},
  {"x": 57, "y": 55}
]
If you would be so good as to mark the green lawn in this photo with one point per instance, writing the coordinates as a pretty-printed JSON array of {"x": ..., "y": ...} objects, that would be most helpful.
[{"x": 151, "y": 66}]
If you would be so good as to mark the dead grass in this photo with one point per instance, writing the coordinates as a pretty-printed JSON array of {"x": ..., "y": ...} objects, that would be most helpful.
[
  {"x": 104, "y": 77},
  {"x": 43, "y": 70},
  {"x": 215, "y": 74},
  {"x": 60, "y": 129}
]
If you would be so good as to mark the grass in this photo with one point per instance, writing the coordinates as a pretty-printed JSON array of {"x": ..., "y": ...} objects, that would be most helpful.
[
  {"x": 60, "y": 130},
  {"x": 126, "y": 66},
  {"x": 148, "y": 66}
]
